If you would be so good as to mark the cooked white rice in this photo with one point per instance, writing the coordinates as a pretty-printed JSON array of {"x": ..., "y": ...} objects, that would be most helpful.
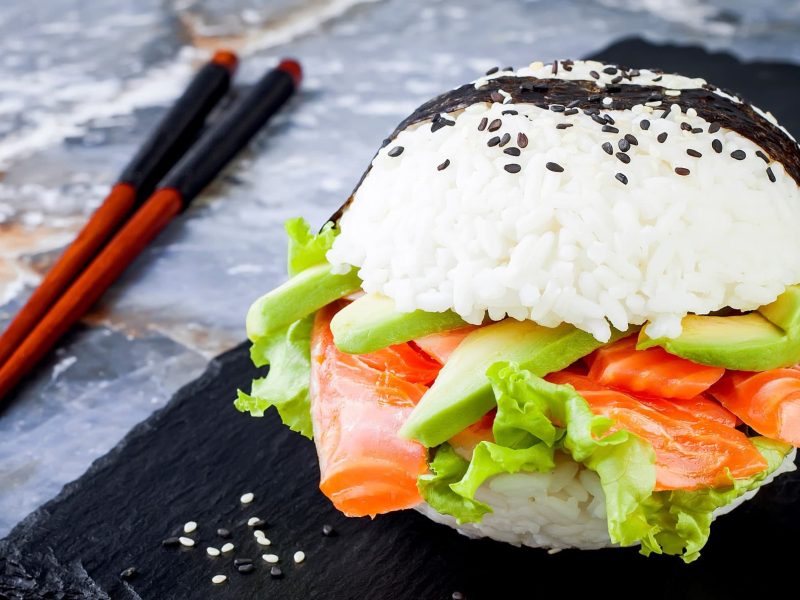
[
  {"x": 577, "y": 246},
  {"x": 562, "y": 509}
]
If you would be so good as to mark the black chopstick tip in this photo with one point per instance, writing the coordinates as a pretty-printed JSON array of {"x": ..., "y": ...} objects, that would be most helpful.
[
  {"x": 293, "y": 69},
  {"x": 226, "y": 58}
]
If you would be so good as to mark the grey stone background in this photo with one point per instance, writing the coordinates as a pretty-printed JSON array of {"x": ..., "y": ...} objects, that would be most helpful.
[{"x": 81, "y": 82}]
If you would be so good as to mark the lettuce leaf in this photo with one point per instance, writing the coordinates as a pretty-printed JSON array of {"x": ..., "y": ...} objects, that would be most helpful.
[
  {"x": 536, "y": 418},
  {"x": 307, "y": 249}
]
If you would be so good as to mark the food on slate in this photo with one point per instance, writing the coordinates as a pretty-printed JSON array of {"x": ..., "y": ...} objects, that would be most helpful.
[{"x": 561, "y": 309}]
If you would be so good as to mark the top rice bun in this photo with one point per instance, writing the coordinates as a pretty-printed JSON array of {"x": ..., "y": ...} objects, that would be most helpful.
[{"x": 581, "y": 193}]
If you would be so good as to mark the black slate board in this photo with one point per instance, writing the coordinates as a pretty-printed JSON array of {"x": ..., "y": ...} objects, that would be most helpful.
[{"x": 194, "y": 458}]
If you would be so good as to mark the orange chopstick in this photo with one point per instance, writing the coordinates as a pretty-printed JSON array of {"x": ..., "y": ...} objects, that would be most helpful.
[
  {"x": 184, "y": 182},
  {"x": 164, "y": 147}
]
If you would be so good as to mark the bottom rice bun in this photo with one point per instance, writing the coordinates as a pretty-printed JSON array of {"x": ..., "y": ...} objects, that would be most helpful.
[{"x": 560, "y": 309}]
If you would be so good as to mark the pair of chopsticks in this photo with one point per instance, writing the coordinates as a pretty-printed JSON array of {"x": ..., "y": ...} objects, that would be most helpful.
[{"x": 178, "y": 161}]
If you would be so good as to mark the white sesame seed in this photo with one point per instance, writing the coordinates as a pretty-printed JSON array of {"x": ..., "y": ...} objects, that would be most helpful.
[
  {"x": 227, "y": 547},
  {"x": 219, "y": 579},
  {"x": 672, "y": 92},
  {"x": 212, "y": 551},
  {"x": 188, "y": 542},
  {"x": 247, "y": 498},
  {"x": 607, "y": 101},
  {"x": 262, "y": 540},
  {"x": 252, "y": 521},
  {"x": 299, "y": 556},
  {"x": 258, "y": 533},
  {"x": 189, "y": 527},
  {"x": 270, "y": 558}
]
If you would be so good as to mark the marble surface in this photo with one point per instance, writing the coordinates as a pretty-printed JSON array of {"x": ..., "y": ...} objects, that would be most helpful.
[{"x": 82, "y": 82}]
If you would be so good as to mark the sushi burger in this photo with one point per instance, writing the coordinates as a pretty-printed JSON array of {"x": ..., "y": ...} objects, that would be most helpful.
[{"x": 561, "y": 309}]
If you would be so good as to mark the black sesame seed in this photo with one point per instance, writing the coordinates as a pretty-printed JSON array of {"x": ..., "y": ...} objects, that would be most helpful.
[
  {"x": 482, "y": 125},
  {"x": 444, "y": 165},
  {"x": 657, "y": 78},
  {"x": 238, "y": 562},
  {"x": 738, "y": 154},
  {"x": 608, "y": 148},
  {"x": 508, "y": 68},
  {"x": 505, "y": 139},
  {"x": 624, "y": 145},
  {"x": 493, "y": 141},
  {"x": 717, "y": 146},
  {"x": 513, "y": 168},
  {"x": 257, "y": 524},
  {"x": 594, "y": 74},
  {"x": 623, "y": 157},
  {"x": 554, "y": 70},
  {"x": 655, "y": 97},
  {"x": 554, "y": 167},
  {"x": 328, "y": 531},
  {"x": 512, "y": 151},
  {"x": 510, "y": 112},
  {"x": 610, "y": 129},
  {"x": 598, "y": 119},
  {"x": 633, "y": 73},
  {"x": 617, "y": 79},
  {"x": 557, "y": 107},
  {"x": 685, "y": 126},
  {"x": 437, "y": 125},
  {"x": 245, "y": 569},
  {"x": 171, "y": 541},
  {"x": 457, "y": 596},
  {"x": 609, "y": 119},
  {"x": 573, "y": 104},
  {"x": 697, "y": 130},
  {"x": 495, "y": 125},
  {"x": 497, "y": 97},
  {"x": 386, "y": 142},
  {"x": 522, "y": 140},
  {"x": 567, "y": 65},
  {"x": 693, "y": 152},
  {"x": 563, "y": 125},
  {"x": 631, "y": 139},
  {"x": 770, "y": 174},
  {"x": 662, "y": 137},
  {"x": 594, "y": 97},
  {"x": 396, "y": 151},
  {"x": 493, "y": 70},
  {"x": 644, "y": 124},
  {"x": 610, "y": 70},
  {"x": 713, "y": 128},
  {"x": 621, "y": 178},
  {"x": 571, "y": 111},
  {"x": 682, "y": 171},
  {"x": 223, "y": 533},
  {"x": 762, "y": 156},
  {"x": 276, "y": 572},
  {"x": 129, "y": 573}
]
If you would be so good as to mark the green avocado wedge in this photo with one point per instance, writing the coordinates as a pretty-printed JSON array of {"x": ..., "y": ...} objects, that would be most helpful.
[
  {"x": 768, "y": 338},
  {"x": 303, "y": 294},
  {"x": 371, "y": 322},
  {"x": 462, "y": 393}
]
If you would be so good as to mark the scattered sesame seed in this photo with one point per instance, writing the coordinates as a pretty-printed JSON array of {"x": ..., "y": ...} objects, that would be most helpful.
[
  {"x": 190, "y": 527},
  {"x": 594, "y": 74},
  {"x": 662, "y": 137},
  {"x": 554, "y": 167},
  {"x": 644, "y": 124},
  {"x": 508, "y": 68},
  {"x": 444, "y": 165},
  {"x": 493, "y": 141},
  {"x": 770, "y": 174},
  {"x": 211, "y": 551},
  {"x": 609, "y": 129},
  {"x": 653, "y": 103},
  {"x": 328, "y": 530},
  {"x": 685, "y": 126},
  {"x": 299, "y": 556},
  {"x": 631, "y": 139},
  {"x": 512, "y": 151},
  {"x": 245, "y": 569},
  {"x": 607, "y": 101},
  {"x": 717, "y": 146},
  {"x": 256, "y": 522},
  {"x": 171, "y": 541},
  {"x": 608, "y": 148},
  {"x": 672, "y": 92},
  {"x": 621, "y": 178},
  {"x": 263, "y": 541},
  {"x": 513, "y": 168},
  {"x": 623, "y": 157},
  {"x": 522, "y": 140},
  {"x": 129, "y": 573},
  {"x": 570, "y": 111},
  {"x": 227, "y": 547},
  {"x": 185, "y": 541},
  {"x": 554, "y": 70},
  {"x": 610, "y": 70},
  {"x": 276, "y": 572},
  {"x": 217, "y": 579},
  {"x": 697, "y": 130},
  {"x": 497, "y": 97},
  {"x": 608, "y": 119},
  {"x": 599, "y": 120},
  {"x": 495, "y": 125},
  {"x": 713, "y": 128},
  {"x": 237, "y": 562},
  {"x": 762, "y": 156},
  {"x": 658, "y": 78},
  {"x": 738, "y": 154},
  {"x": 270, "y": 558},
  {"x": 624, "y": 145},
  {"x": 482, "y": 125},
  {"x": 557, "y": 107},
  {"x": 574, "y": 103},
  {"x": 493, "y": 70},
  {"x": 682, "y": 171},
  {"x": 396, "y": 151},
  {"x": 223, "y": 533},
  {"x": 594, "y": 97},
  {"x": 563, "y": 125},
  {"x": 693, "y": 152},
  {"x": 617, "y": 79},
  {"x": 249, "y": 496},
  {"x": 505, "y": 139},
  {"x": 510, "y": 112}
]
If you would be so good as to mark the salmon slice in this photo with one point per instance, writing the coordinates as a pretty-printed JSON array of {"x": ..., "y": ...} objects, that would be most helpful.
[
  {"x": 358, "y": 403},
  {"x": 769, "y": 402},
  {"x": 405, "y": 361},
  {"x": 693, "y": 451},
  {"x": 441, "y": 345},
  {"x": 653, "y": 372}
]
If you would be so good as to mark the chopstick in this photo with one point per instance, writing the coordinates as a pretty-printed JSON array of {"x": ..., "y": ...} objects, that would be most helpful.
[
  {"x": 215, "y": 148},
  {"x": 173, "y": 136}
]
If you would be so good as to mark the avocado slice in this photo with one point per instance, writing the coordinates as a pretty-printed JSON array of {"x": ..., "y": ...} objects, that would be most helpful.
[
  {"x": 371, "y": 322},
  {"x": 303, "y": 294},
  {"x": 462, "y": 394},
  {"x": 768, "y": 338}
]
